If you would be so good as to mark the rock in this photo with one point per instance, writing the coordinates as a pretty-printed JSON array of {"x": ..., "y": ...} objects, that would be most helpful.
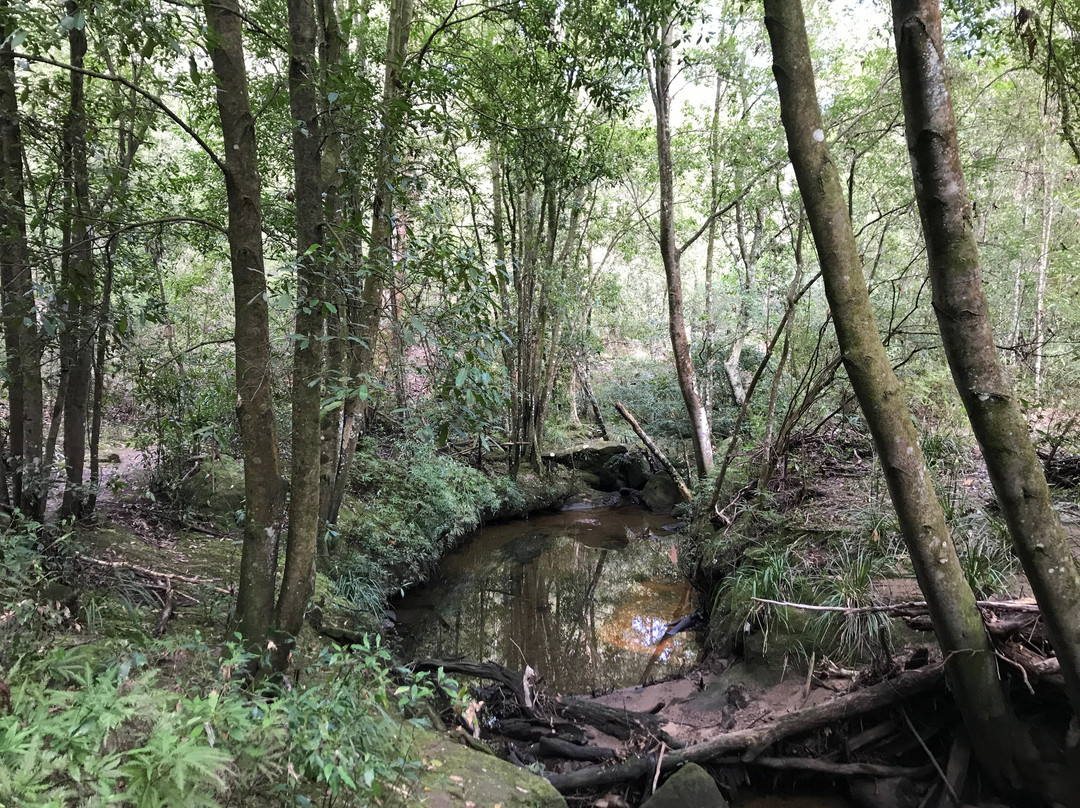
[
  {"x": 526, "y": 547},
  {"x": 587, "y": 456},
  {"x": 889, "y": 792},
  {"x": 602, "y": 480},
  {"x": 631, "y": 468},
  {"x": 587, "y": 501},
  {"x": 660, "y": 493},
  {"x": 453, "y": 776},
  {"x": 689, "y": 786}
]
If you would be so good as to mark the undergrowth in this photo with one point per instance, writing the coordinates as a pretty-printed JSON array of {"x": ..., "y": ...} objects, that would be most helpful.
[
  {"x": 93, "y": 720},
  {"x": 412, "y": 504}
]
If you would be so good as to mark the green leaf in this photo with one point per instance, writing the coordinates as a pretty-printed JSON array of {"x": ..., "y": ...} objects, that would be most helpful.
[
  {"x": 332, "y": 97},
  {"x": 461, "y": 376}
]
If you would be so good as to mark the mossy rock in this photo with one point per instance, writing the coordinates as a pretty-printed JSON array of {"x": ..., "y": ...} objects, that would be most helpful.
[
  {"x": 454, "y": 775},
  {"x": 660, "y": 493},
  {"x": 216, "y": 489},
  {"x": 689, "y": 786}
]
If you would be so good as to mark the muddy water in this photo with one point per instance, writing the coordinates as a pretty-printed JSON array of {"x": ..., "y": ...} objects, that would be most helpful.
[{"x": 583, "y": 597}]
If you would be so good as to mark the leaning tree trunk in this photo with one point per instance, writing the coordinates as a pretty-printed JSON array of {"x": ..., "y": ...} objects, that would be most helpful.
[
  {"x": 669, "y": 251},
  {"x": 380, "y": 256},
  {"x": 964, "y": 321},
  {"x": 298, "y": 579},
  {"x": 987, "y": 715},
  {"x": 263, "y": 486}
]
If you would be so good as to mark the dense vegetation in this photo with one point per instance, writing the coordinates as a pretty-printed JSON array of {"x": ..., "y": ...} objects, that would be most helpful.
[{"x": 370, "y": 262}]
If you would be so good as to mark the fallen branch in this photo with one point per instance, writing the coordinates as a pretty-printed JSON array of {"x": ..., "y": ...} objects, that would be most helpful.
[
  {"x": 166, "y": 576},
  {"x": 751, "y": 742},
  {"x": 913, "y": 607},
  {"x": 492, "y": 671},
  {"x": 166, "y": 611},
  {"x": 661, "y": 458},
  {"x": 797, "y": 764}
]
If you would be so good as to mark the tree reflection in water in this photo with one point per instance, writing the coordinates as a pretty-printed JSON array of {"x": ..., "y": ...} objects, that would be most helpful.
[{"x": 582, "y": 597}]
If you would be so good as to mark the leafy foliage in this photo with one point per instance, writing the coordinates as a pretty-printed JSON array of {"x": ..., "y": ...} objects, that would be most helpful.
[{"x": 92, "y": 731}]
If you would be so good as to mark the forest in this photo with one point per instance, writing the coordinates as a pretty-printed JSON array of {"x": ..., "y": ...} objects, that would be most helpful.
[{"x": 540, "y": 403}]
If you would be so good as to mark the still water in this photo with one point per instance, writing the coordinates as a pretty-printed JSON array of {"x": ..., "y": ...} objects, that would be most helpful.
[{"x": 583, "y": 597}]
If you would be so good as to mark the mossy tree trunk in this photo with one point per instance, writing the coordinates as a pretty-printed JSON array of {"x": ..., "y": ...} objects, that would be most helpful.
[
  {"x": 263, "y": 486},
  {"x": 992, "y": 727},
  {"x": 964, "y": 322}
]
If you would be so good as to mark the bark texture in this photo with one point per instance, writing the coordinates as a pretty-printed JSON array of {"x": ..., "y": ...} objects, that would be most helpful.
[
  {"x": 957, "y": 623},
  {"x": 298, "y": 582},
  {"x": 77, "y": 283},
  {"x": 21, "y": 338},
  {"x": 263, "y": 486},
  {"x": 964, "y": 322}
]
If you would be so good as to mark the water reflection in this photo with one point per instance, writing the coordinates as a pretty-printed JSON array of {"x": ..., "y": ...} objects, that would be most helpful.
[{"x": 583, "y": 597}]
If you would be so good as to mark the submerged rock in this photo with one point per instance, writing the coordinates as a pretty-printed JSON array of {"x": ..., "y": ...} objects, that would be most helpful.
[
  {"x": 689, "y": 786},
  {"x": 526, "y": 547}
]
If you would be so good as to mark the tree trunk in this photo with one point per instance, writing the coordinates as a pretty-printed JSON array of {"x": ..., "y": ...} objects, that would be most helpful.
[
  {"x": 78, "y": 289},
  {"x": 669, "y": 251},
  {"x": 298, "y": 580},
  {"x": 748, "y": 256},
  {"x": 22, "y": 342},
  {"x": 1038, "y": 336},
  {"x": 99, "y": 378},
  {"x": 709, "y": 329},
  {"x": 957, "y": 622},
  {"x": 380, "y": 256},
  {"x": 964, "y": 321},
  {"x": 332, "y": 46},
  {"x": 263, "y": 486}
]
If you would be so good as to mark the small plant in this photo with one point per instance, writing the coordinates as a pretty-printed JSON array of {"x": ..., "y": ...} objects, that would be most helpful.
[{"x": 986, "y": 556}]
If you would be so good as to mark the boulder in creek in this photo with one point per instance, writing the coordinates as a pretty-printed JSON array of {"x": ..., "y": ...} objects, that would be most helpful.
[
  {"x": 660, "y": 493},
  {"x": 689, "y": 786}
]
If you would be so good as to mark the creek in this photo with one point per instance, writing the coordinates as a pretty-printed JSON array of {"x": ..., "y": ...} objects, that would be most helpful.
[{"x": 584, "y": 597}]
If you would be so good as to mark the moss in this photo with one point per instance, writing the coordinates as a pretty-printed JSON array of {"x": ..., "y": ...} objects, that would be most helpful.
[{"x": 454, "y": 775}]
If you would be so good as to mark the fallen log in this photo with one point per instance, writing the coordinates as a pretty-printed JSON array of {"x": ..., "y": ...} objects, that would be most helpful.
[
  {"x": 615, "y": 721},
  {"x": 533, "y": 729},
  {"x": 752, "y": 742},
  {"x": 513, "y": 681},
  {"x": 549, "y": 748},
  {"x": 661, "y": 458}
]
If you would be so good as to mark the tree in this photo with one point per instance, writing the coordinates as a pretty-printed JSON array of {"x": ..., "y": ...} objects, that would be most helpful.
[
  {"x": 1003, "y": 750},
  {"x": 964, "y": 322},
  {"x": 670, "y": 251},
  {"x": 298, "y": 581},
  {"x": 21, "y": 336},
  {"x": 263, "y": 486}
]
